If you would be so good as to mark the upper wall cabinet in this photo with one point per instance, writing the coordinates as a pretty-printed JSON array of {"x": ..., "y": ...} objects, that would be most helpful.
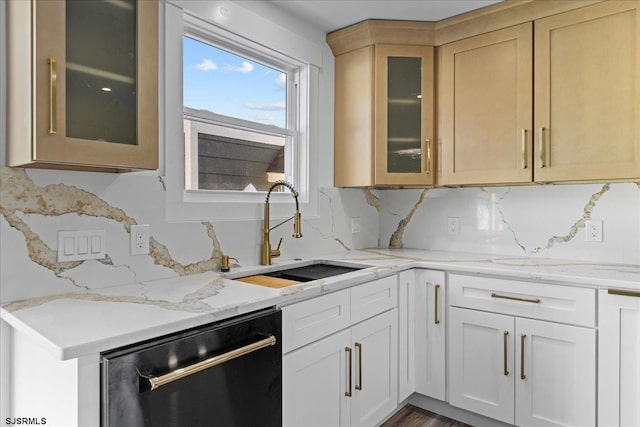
[
  {"x": 485, "y": 108},
  {"x": 82, "y": 84},
  {"x": 585, "y": 124},
  {"x": 587, "y": 93},
  {"x": 384, "y": 127}
]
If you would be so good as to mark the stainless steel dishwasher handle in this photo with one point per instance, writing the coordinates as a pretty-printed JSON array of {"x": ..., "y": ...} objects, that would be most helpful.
[{"x": 180, "y": 373}]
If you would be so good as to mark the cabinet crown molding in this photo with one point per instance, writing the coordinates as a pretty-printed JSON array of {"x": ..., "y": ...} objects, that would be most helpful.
[
  {"x": 374, "y": 31},
  {"x": 496, "y": 16}
]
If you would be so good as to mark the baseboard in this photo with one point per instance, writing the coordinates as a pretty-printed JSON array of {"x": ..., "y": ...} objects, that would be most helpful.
[{"x": 443, "y": 408}]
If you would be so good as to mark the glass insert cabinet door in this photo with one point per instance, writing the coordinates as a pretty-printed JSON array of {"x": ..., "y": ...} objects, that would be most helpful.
[
  {"x": 404, "y": 115},
  {"x": 96, "y": 68}
]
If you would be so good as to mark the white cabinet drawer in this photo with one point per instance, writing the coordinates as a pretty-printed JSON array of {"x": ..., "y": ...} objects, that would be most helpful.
[
  {"x": 557, "y": 303},
  {"x": 373, "y": 298},
  {"x": 310, "y": 320}
]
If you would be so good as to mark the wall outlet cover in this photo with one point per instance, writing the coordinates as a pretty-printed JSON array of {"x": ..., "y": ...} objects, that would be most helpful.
[
  {"x": 453, "y": 226},
  {"x": 593, "y": 230},
  {"x": 140, "y": 239}
]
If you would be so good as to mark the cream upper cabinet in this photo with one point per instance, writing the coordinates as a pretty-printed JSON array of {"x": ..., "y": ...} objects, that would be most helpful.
[
  {"x": 582, "y": 122},
  {"x": 83, "y": 84},
  {"x": 587, "y": 93},
  {"x": 384, "y": 107},
  {"x": 485, "y": 108}
]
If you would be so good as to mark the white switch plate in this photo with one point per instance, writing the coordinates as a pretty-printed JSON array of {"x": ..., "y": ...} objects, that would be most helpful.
[
  {"x": 140, "y": 239},
  {"x": 80, "y": 245},
  {"x": 356, "y": 226},
  {"x": 453, "y": 226},
  {"x": 593, "y": 230}
]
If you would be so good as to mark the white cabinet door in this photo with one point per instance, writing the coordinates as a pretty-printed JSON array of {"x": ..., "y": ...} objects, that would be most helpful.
[
  {"x": 375, "y": 369},
  {"x": 619, "y": 359},
  {"x": 481, "y": 363},
  {"x": 314, "y": 381},
  {"x": 556, "y": 384},
  {"x": 406, "y": 334},
  {"x": 429, "y": 334}
]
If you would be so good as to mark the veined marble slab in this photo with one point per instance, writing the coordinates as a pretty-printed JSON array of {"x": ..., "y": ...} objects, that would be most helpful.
[{"x": 80, "y": 323}]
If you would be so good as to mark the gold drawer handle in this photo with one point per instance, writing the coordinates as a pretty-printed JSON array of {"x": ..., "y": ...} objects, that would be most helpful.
[
  {"x": 156, "y": 382},
  {"x": 524, "y": 148},
  {"x": 359, "y": 383},
  {"x": 348, "y": 392},
  {"x": 53, "y": 82},
  {"x": 436, "y": 320},
  {"x": 533, "y": 300},
  {"x": 506, "y": 337},
  {"x": 427, "y": 168},
  {"x": 542, "y": 156},
  {"x": 623, "y": 293},
  {"x": 522, "y": 375}
]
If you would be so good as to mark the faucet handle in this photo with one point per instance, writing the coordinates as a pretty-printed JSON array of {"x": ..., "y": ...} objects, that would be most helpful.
[{"x": 276, "y": 252}]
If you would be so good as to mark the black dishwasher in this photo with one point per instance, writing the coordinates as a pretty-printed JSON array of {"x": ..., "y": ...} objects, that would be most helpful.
[{"x": 224, "y": 374}]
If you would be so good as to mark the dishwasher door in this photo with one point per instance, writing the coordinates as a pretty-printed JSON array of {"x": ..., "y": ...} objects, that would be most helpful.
[{"x": 164, "y": 383}]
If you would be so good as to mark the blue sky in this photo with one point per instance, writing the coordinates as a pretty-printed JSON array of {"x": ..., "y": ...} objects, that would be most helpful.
[{"x": 228, "y": 84}]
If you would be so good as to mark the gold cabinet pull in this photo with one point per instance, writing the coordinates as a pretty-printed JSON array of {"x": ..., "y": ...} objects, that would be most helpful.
[
  {"x": 532, "y": 300},
  {"x": 53, "y": 83},
  {"x": 156, "y": 382},
  {"x": 348, "y": 392},
  {"x": 359, "y": 383},
  {"x": 436, "y": 320},
  {"x": 524, "y": 148},
  {"x": 623, "y": 293},
  {"x": 522, "y": 375},
  {"x": 427, "y": 168},
  {"x": 542, "y": 157},
  {"x": 506, "y": 343}
]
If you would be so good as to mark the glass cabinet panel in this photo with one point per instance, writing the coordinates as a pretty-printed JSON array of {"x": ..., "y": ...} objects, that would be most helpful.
[
  {"x": 101, "y": 70},
  {"x": 404, "y": 113}
]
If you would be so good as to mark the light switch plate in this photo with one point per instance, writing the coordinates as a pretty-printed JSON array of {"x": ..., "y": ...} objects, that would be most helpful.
[{"x": 80, "y": 245}]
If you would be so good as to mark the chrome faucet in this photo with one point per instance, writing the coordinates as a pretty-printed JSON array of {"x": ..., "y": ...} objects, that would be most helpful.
[{"x": 267, "y": 253}]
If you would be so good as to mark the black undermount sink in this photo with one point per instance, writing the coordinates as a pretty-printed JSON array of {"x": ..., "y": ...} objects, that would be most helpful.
[{"x": 311, "y": 272}]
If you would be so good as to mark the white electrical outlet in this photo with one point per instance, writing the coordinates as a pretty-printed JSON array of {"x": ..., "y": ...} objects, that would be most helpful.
[
  {"x": 453, "y": 226},
  {"x": 356, "y": 226},
  {"x": 593, "y": 230},
  {"x": 140, "y": 239}
]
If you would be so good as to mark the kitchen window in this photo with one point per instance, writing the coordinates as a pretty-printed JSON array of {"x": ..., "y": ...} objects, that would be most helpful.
[
  {"x": 282, "y": 139},
  {"x": 241, "y": 104}
]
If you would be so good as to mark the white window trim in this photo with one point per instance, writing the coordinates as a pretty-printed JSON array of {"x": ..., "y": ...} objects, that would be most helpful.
[{"x": 188, "y": 205}]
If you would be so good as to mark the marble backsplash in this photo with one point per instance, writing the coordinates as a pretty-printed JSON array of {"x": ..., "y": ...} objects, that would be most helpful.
[
  {"x": 532, "y": 221},
  {"x": 36, "y": 204}
]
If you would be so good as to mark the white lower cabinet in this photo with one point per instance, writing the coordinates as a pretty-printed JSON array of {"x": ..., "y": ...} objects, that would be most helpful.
[
  {"x": 619, "y": 359},
  {"x": 350, "y": 377},
  {"x": 519, "y": 370},
  {"x": 422, "y": 333},
  {"x": 314, "y": 385}
]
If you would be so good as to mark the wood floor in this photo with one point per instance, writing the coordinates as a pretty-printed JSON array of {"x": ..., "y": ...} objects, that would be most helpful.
[{"x": 412, "y": 416}]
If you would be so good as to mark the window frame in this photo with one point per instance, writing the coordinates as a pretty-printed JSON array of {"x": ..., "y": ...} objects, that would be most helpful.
[
  {"x": 240, "y": 23},
  {"x": 296, "y": 141}
]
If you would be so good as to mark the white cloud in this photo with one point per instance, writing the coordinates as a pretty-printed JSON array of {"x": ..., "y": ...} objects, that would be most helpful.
[
  {"x": 245, "y": 68},
  {"x": 275, "y": 106},
  {"x": 281, "y": 81},
  {"x": 207, "y": 65}
]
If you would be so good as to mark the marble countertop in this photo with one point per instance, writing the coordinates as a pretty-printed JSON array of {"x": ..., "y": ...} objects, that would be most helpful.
[{"x": 84, "y": 323}]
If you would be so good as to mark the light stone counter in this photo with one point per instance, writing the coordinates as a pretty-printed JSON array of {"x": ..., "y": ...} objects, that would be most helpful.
[{"x": 82, "y": 323}]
